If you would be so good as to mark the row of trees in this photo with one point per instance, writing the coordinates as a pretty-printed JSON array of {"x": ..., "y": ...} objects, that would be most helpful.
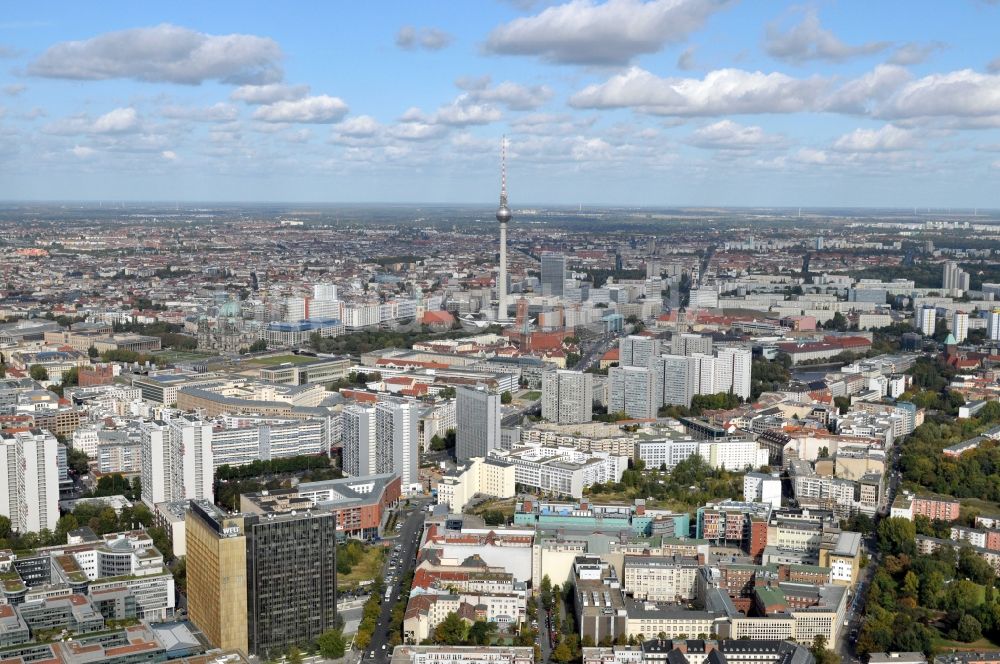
[
  {"x": 366, "y": 340},
  {"x": 283, "y": 466}
]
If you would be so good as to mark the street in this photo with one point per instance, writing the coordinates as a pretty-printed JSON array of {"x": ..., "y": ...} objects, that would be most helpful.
[{"x": 379, "y": 649}]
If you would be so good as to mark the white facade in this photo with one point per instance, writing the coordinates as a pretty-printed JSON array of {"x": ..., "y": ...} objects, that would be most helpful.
[
  {"x": 637, "y": 350},
  {"x": 359, "y": 441},
  {"x": 29, "y": 492},
  {"x": 177, "y": 460},
  {"x": 762, "y": 488},
  {"x": 488, "y": 477},
  {"x": 633, "y": 391},
  {"x": 396, "y": 440},
  {"x": 926, "y": 320},
  {"x": 563, "y": 470},
  {"x": 960, "y": 326},
  {"x": 732, "y": 371},
  {"x": 567, "y": 396}
]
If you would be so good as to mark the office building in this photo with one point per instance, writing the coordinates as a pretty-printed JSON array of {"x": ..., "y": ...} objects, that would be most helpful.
[
  {"x": 397, "y": 440},
  {"x": 553, "y": 273},
  {"x": 926, "y": 320},
  {"x": 562, "y": 470},
  {"x": 633, "y": 391},
  {"x": 637, "y": 350},
  {"x": 29, "y": 492},
  {"x": 478, "y": 415},
  {"x": 491, "y": 476},
  {"x": 567, "y": 396},
  {"x": 960, "y": 326},
  {"x": 261, "y": 582},
  {"x": 359, "y": 440}
]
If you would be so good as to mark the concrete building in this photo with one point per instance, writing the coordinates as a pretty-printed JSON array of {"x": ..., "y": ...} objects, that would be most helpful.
[
  {"x": 478, "y": 415},
  {"x": 676, "y": 379},
  {"x": 562, "y": 470},
  {"x": 177, "y": 461},
  {"x": 661, "y": 578},
  {"x": 926, "y": 320},
  {"x": 29, "y": 492},
  {"x": 490, "y": 476},
  {"x": 732, "y": 371},
  {"x": 567, "y": 396},
  {"x": 633, "y": 391},
  {"x": 358, "y": 440},
  {"x": 762, "y": 488},
  {"x": 637, "y": 350},
  {"x": 960, "y": 326},
  {"x": 954, "y": 278},
  {"x": 463, "y": 655},
  {"x": 689, "y": 344},
  {"x": 397, "y": 440}
]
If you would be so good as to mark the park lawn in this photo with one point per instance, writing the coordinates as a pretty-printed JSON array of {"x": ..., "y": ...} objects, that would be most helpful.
[
  {"x": 531, "y": 396},
  {"x": 174, "y": 356},
  {"x": 506, "y": 506},
  {"x": 984, "y": 506},
  {"x": 280, "y": 359},
  {"x": 942, "y": 645},
  {"x": 370, "y": 567}
]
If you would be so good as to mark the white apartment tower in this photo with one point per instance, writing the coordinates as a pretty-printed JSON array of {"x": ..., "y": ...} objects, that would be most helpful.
[
  {"x": 926, "y": 320},
  {"x": 397, "y": 440},
  {"x": 960, "y": 326},
  {"x": 633, "y": 391},
  {"x": 477, "y": 412},
  {"x": 676, "y": 379},
  {"x": 567, "y": 396},
  {"x": 359, "y": 440},
  {"x": 689, "y": 344},
  {"x": 177, "y": 460},
  {"x": 637, "y": 350},
  {"x": 29, "y": 492},
  {"x": 732, "y": 371}
]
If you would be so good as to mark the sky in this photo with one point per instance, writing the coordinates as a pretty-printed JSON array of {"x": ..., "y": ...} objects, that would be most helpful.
[{"x": 893, "y": 103}]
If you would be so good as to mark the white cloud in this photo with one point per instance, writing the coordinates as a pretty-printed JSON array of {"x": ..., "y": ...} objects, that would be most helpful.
[
  {"x": 318, "y": 109},
  {"x": 118, "y": 121},
  {"x": 430, "y": 39},
  {"x": 724, "y": 91},
  {"x": 887, "y": 138},
  {"x": 860, "y": 95},
  {"x": 269, "y": 93},
  {"x": 164, "y": 53},
  {"x": 220, "y": 112},
  {"x": 82, "y": 151},
  {"x": 729, "y": 135},
  {"x": 609, "y": 33},
  {"x": 360, "y": 126},
  {"x": 14, "y": 89},
  {"x": 417, "y": 131},
  {"x": 461, "y": 113},
  {"x": 964, "y": 93},
  {"x": 514, "y": 96},
  {"x": 169, "y": 155},
  {"x": 808, "y": 40}
]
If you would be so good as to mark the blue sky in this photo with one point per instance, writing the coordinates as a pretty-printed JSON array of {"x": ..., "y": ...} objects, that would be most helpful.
[{"x": 626, "y": 102}]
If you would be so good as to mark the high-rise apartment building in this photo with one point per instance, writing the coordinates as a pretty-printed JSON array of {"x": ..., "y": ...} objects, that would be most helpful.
[
  {"x": 732, "y": 371},
  {"x": 177, "y": 460},
  {"x": 637, "y": 350},
  {"x": 567, "y": 396},
  {"x": 397, "y": 440},
  {"x": 633, "y": 391},
  {"x": 325, "y": 292},
  {"x": 993, "y": 325},
  {"x": 954, "y": 277},
  {"x": 29, "y": 470},
  {"x": 689, "y": 344},
  {"x": 676, "y": 379},
  {"x": 553, "y": 273},
  {"x": 261, "y": 580},
  {"x": 478, "y": 415},
  {"x": 358, "y": 440},
  {"x": 960, "y": 326},
  {"x": 926, "y": 320}
]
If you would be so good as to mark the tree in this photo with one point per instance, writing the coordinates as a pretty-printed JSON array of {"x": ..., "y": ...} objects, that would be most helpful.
[
  {"x": 294, "y": 655},
  {"x": 450, "y": 631},
  {"x": 896, "y": 535},
  {"x": 258, "y": 346},
  {"x": 38, "y": 372},
  {"x": 506, "y": 397},
  {"x": 92, "y": 352},
  {"x": 5, "y": 527},
  {"x": 481, "y": 632},
  {"x": 968, "y": 629},
  {"x": 78, "y": 461},
  {"x": 331, "y": 644},
  {"x": 562, "y": 653}
]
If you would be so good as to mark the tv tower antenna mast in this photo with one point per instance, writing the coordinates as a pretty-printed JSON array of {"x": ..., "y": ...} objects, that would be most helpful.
[{"x": 503, "y": 217}]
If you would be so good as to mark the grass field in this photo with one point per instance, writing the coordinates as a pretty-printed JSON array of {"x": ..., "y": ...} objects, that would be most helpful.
[
  {"x": 531, "y": 396},
  {"x": 982, "y": 645},
  {"x": 984, "y": 506},
  {"x": 174, "y": 356},
  {"x": 280, "y": 359},
  {"x": 369, "y": 568}
]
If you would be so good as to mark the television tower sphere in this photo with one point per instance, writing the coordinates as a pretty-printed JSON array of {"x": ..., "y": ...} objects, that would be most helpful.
[{"x": 503, "y": 214}]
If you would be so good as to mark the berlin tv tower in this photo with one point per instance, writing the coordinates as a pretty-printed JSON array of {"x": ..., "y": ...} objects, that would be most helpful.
[{"x": 503, "y": 216}]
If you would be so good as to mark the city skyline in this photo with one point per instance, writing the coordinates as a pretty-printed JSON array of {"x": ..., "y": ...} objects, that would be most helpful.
[{"x": 624, "y": 102}]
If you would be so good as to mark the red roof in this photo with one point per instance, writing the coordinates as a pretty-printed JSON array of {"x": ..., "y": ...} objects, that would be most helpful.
[
  {"x": 613, "y": 355},
  {"x": 437, "y": 318}
]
